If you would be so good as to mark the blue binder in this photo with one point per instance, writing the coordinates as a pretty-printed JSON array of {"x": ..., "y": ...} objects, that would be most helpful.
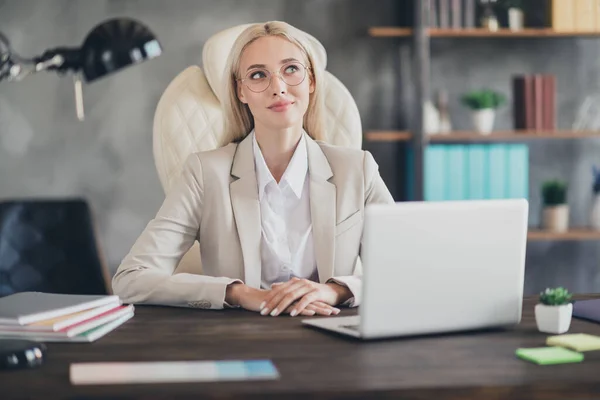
[{"x": 435, "y": 164}]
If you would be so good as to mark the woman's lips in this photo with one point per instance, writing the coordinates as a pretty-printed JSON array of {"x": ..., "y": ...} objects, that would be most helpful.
[{"x": 281, "y": 106}]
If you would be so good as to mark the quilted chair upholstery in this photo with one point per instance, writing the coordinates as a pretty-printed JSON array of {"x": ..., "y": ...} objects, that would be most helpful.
[
  {"x": 49, "y": 246},
  {"x": 189, "y": 117}
]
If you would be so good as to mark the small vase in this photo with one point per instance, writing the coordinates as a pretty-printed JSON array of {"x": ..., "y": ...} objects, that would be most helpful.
[
  {"x": 516, "y": 19},
  {"x": 431, "y": 118},
  {"x": 595, "y": 214},
  {"x": 483, "y": 120},
  {"x": 556, "y": 218},
  {"x": 553, "y": 319}
]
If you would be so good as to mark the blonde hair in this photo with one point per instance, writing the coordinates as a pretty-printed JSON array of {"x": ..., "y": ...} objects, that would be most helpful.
[{"x": 239, "y": 121}]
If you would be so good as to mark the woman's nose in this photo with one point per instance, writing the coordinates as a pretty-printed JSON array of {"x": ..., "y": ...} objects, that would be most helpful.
[{"x": 278, "y": 85}]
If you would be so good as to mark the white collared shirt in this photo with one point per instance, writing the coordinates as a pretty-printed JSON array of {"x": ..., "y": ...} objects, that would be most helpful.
[{"x": 287, "y": 248}]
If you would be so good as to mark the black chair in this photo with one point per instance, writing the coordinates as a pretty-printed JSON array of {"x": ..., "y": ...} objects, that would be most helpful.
[{"x": 50, "y": 246}]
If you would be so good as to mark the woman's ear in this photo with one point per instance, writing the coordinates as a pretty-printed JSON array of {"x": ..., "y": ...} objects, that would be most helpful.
[
  {"x": 311, "y": 84},
  {"x": 240, "y": 94}
]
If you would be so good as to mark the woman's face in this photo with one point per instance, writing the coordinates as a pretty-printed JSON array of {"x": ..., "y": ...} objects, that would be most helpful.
[{"x": 285, "y": 100}]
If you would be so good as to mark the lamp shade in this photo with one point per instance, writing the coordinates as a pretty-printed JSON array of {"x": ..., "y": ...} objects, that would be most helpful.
[{"x": 115, "y": 44}]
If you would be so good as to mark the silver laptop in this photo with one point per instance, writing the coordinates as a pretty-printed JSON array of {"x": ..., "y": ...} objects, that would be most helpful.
[{"x": 437, "y": 267}]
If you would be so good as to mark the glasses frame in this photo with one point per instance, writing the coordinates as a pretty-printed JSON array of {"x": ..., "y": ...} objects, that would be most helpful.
[{"x": 271, "y": 75}]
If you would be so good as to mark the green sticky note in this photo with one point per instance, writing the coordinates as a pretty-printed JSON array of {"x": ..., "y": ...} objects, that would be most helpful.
[
  {"x": 575, "y": 341},
  {"x": 549, "y": 355}
]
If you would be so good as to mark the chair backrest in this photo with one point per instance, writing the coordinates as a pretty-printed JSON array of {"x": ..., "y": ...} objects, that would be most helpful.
[
  {"x": 50, "y": 246},
  {"x": 189, "y": 116}
]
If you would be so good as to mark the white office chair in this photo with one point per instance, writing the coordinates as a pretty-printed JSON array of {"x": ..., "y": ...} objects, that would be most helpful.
[{"x": 189, "y": 117}]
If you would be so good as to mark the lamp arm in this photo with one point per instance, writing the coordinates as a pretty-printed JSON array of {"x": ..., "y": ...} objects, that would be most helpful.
[{"x": 15, "y": 68}]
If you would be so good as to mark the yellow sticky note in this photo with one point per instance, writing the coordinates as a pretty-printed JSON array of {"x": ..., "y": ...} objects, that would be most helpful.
[{"x": 575, "y": 341}]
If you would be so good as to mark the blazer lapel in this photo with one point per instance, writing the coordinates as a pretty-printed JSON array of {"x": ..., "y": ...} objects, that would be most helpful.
[
  {"x": 246, "y": 210},
  {"x": 322, "y": 209}
]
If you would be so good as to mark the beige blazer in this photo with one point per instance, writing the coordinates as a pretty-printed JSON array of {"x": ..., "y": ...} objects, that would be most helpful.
[{"x": 215, "y": 201}]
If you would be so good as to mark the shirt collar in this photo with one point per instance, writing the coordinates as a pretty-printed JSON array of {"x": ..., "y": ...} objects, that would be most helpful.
[{"x": 294, "y": 175}]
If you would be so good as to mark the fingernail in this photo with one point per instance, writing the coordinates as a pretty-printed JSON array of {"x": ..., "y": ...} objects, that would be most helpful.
[
  {"x": 263, "y": 304},
  {"x": 310, "y": 312},
  {"x": 274, "y": 312},
  {"x": 336, "y": 310},
  {"x": 264, "y": 311},
  {"x": 293, "y": 313}
]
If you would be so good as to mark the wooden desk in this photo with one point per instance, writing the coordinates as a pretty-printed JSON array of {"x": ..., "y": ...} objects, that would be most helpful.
[{"x": 314, "y": 364}]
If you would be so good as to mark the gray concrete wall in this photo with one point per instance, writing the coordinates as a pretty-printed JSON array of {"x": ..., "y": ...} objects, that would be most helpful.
[{"x": 46, "y": 152}]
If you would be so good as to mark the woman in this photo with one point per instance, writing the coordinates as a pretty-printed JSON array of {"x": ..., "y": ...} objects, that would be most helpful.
[{"x": 278, "y": 214}]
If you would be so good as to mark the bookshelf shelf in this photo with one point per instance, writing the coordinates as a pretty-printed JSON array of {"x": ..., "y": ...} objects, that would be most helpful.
[
  {"x": 469, "y": 136},
  {"x": 390, "y": 31},
  {"x": 570, "y": 235}
]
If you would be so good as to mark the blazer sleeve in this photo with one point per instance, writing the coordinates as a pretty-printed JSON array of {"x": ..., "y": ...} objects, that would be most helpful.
[
  {"x": 146, "y": 273},
  {"x": 375, "y": 192}
]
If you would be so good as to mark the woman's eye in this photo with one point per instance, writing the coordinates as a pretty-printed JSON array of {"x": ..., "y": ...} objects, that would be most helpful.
[
  {"x": 258, "y": 75},
  {"x": 290, "y": 69}
]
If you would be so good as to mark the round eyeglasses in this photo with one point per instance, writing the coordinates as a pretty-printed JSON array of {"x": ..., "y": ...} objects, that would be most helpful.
[{"x": 259, "y": 79}]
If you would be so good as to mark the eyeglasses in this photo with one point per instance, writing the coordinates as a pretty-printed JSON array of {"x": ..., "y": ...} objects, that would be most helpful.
[{"x": 258, "y": 80}]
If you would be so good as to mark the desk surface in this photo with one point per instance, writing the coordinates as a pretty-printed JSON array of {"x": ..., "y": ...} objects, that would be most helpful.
[{"x": 314, "y": 364}]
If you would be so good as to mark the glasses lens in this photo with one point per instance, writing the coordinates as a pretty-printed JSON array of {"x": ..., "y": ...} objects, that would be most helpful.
[
  {"x": 293, "y": 73},
  {"x": 258, "y": 80}
]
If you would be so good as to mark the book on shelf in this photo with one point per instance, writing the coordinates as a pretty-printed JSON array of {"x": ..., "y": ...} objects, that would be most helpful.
[
  {"x": 534, "y": 102},
  {"x": 61, "y": 317},
  {"x": 476, "y": 172},
  {"x": 574, "y": 15},
  {"x": 452, "y": 14}
]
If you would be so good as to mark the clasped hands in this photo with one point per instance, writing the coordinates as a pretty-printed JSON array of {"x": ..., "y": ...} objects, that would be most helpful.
[{"x": 294, "y": 297}]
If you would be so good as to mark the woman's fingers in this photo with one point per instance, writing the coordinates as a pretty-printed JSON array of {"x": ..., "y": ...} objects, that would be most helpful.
[
  {"x": 322, "y": 308},
  {"x": 286, "y": 295},
  {"x": 315, "y": 308}
]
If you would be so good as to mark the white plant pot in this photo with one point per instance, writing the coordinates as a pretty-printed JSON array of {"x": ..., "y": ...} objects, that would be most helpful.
[
  {"x": 556, "y": 218},
  {"x": 595, "y": 214},
  {"x": 483, "y": 120},
  {"x": 516, "y": 19},
  {"x": 553, "y": 319}
]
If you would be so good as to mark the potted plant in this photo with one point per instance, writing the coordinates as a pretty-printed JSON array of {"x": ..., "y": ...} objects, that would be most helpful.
[
  {"x": 595, "y": 215},
  {"x": 516, "y": 16},
  {"x": 488, "y": 16},
  {"x": 554, "y": 311},
  {"x": 483, "y": 103},
  {"x": 555, "y": 209}
]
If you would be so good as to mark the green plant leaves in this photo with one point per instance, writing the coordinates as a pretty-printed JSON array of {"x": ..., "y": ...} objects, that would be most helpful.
[{"x": 555, "y": 296}]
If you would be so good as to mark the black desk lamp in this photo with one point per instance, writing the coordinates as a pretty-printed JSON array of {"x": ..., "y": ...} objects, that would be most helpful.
[{"x": 110, "y": 46}]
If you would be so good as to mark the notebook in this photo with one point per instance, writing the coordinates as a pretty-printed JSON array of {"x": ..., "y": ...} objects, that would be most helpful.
[
  {"x": 575, "y": 341},
  {"x": 587, "y": 309},
  {"x": 29, "y": 307},
  {"x": 104, "y": 373},
  {"x": 85, "y": 337},
  {"x": 67, "y": 332},
  {"x": 549, "y": 355},
  {"x": 62, "y": 322}
]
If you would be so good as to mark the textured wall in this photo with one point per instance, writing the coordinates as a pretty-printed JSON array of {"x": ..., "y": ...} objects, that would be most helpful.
[{"x": 46, "y": 152}]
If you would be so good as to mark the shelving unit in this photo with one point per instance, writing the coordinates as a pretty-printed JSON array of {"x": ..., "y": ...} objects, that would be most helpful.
[
  {"x": 572, "y": 234},
  {"x": 421, "y": 34},
  {"x": 388, "y": 31},
  {"x": 468, "y": 136}
]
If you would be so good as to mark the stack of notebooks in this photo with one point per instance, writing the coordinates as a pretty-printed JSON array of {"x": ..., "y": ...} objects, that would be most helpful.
[{"x": 49, "y": 317}]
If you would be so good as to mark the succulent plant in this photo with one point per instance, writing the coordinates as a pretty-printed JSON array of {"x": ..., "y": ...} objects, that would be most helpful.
[
  {"x": 482, "y": 99},
  {"x": 554, "y": 192},
  {"x": 555, "y": 296}
]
